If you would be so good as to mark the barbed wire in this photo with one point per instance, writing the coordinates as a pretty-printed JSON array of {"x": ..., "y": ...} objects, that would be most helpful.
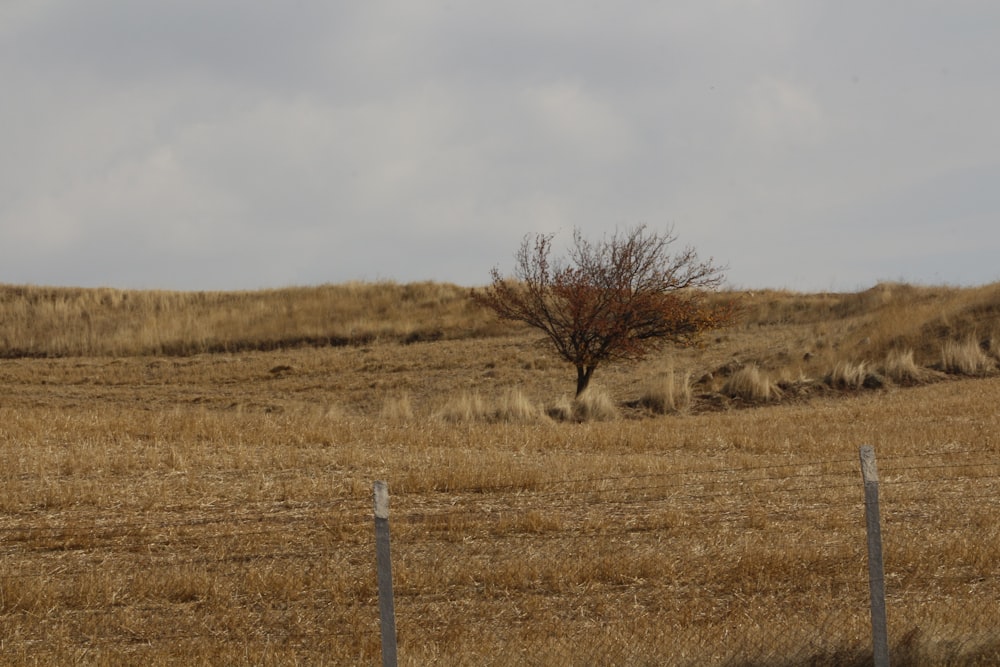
[
  {"x": 283, "y": 513},
  {"x": 481, "y": 514},
  {"x": 530, "y": 486}
]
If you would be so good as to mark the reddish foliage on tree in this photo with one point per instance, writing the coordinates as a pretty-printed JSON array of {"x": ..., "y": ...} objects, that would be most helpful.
[{"x": 616, "y": 300}]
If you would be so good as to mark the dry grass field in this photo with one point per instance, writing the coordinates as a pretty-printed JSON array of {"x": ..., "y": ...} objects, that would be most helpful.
[{"x": 187, "y": 479}]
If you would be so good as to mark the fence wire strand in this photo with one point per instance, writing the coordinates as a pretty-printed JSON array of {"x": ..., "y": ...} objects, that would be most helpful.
[{"x": 681, "y": 567}]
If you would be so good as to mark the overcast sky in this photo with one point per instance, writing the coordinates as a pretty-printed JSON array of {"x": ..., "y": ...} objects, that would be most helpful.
[{"x": 224, "y": 144}]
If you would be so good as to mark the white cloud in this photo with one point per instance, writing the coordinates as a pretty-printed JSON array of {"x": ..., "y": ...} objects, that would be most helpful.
[{"x": 313, "y": 141}]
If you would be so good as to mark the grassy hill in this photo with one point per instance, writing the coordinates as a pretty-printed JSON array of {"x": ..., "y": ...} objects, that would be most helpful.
[
  {"x": 187, "y": 477},
  {"x": 784, "y": 346}
]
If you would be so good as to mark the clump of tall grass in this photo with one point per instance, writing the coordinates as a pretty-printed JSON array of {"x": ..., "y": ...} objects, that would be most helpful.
[
  {"x": 847, "y": 375},
  {"x": 595, "y": 405},
  {"x": 900, "y": 367},
  {"x": 665, "y": 393},
  {"x": 397, "y": 408},
  {"x": 514, "y": 406},
  {"x": 750, "y": 384},
  {"x": 510, "y": 406},
  {"x": 562, "y": 410},
  {"x": 592, "y": 405},
  {"x": 965, "y": 358},
  {"x": 466, "y": 407}
]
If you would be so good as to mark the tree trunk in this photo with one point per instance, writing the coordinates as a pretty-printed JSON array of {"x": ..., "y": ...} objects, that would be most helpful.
[{"x": 583, "y": 374}]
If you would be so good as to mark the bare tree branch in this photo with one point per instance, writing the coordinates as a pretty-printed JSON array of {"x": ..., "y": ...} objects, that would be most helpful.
[{"x": 618, "y": 299}]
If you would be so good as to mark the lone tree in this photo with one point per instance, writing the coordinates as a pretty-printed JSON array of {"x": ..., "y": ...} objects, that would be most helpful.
[{"x": 619, "y": 299}]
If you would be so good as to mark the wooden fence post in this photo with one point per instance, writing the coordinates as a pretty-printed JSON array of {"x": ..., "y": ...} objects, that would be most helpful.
[
  {"x": 387, "y": 613},
  {"x": 876, "y": 571}
]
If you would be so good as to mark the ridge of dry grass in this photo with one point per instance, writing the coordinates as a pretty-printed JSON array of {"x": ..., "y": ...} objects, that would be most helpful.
[
  {"x": 44, "y": 321},
  {"x": 800, "y": 339},
  {"x": 57, "y": 322}
]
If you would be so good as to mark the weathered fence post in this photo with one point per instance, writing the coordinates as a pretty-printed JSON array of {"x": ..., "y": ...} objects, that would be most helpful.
[
  {"x": 876, "y": 572},
  {"x": 387, "y": 613}
]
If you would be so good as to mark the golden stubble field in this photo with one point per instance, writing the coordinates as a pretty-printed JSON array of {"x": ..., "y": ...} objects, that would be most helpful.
[{"x": 215, "y": 508}]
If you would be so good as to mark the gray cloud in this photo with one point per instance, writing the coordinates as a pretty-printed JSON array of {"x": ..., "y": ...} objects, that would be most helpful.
[{"x": 220, "y": 145}]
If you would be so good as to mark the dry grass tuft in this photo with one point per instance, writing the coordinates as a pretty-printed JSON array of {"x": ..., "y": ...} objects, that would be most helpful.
[
  {"x": 666, "y": 394},
  {"x": 466, "y": 407},
  {"x": 561, "y": 410},
  {"x": 511, "y": 406},
  {"x": 848, "y": 375},
  {"x": 965, "y": 358},
  {"x": 514, "y": 406},
  {"x": 750, "y": 384},
  {"x": 397, "y": 408},
  {"x": 900, "y": 367},
  {"x": 594, "y": 404}
]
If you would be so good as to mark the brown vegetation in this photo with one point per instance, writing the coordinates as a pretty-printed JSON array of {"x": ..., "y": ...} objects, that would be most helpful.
[
  {"x": 965, "y": 358},
  {"x": 216, "y": 508},
  {"x": 748, "y": 383},
  {"x": 616, "y": 300},
  {"x": 54, "y": 322},
  {"x": 666, "y": 393}
]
